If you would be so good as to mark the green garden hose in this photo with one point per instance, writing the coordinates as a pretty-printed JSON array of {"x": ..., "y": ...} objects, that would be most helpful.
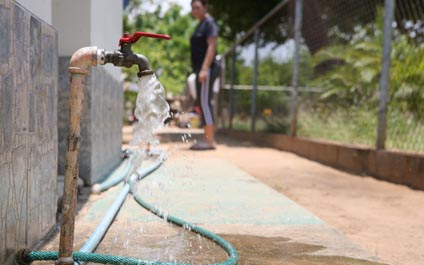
[{"x": 26, "y": 256}]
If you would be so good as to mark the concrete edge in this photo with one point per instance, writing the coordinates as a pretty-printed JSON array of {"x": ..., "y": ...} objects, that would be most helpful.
[{"x": 396, "y": 167}]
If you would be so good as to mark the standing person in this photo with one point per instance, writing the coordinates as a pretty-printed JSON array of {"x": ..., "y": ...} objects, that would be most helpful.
[{"x": 203, "y": 52}]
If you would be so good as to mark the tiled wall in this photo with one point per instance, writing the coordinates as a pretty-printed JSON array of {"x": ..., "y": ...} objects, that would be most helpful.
[
  {"x": 107, "y": 111},
  {"x": 28, "y": 129},
  {"x": 101, "y": 122}
]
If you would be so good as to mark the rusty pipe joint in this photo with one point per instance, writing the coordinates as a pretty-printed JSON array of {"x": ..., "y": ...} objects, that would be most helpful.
[
  {"x": 82, "y": 59},
  {"x": 22, "y": 256},
  {"x": 125, "y": 58}
]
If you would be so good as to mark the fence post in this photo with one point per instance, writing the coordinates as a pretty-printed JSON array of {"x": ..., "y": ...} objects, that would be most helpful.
[
  {"x": 295, "y": 76},
  {"x": 255, "y": 81},
  {"x": 218, "y": 110},
  {"x": 389, "y": 8},
  {"x": 232, "y": 75}
]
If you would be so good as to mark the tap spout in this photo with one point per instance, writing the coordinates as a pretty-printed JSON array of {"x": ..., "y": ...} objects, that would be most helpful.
[{"x": 126, "y": 58}]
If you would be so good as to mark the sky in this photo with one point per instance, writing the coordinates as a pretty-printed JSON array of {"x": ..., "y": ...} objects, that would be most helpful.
[
  {"x": 281, "y": 53},
  {"x": 150, "y": 6}
]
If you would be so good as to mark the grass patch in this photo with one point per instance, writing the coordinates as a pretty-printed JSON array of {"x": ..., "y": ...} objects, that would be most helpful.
[{"x": 359, "y": 126}]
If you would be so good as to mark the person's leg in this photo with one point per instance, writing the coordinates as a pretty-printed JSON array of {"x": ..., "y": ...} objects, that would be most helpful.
[
  {"x": 197, "y": 106},
  {"x": 209, "y": 128},
  {"x": 209, "y": 135},
  {"x": 207, "y": 117}
]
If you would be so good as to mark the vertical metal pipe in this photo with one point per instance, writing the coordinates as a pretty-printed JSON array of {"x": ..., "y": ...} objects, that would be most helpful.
[
  {"x": 232, "y": 77},
  {"x": 389, "y": 8},
  {"x": 80, "y": 62},
  {"x": 255, "y": 82},
  {"x": 295, "y": 76},
  {"x": 71, "y": 170}
]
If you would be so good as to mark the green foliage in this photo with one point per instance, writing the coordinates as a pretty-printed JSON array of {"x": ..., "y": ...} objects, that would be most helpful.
[
  {"x": 347, "y": 109},
  {"x": 404, "y": 132},
  {"x": 276, "y": 124},
  {"x": 234, "y": 17},
  {"x": 273, "y": 73},
  {"x": 354, "y": 76},
  {"x": 355, "y": 80},
  {"x": 270, "y": 73},
  {"x": 130, "y": 96},
  {"x": 406, "y": 77},
  {"x": 358, "y": 125},
  {"x": 171, "y": 57},
  {"x": 354, "y": 125}
]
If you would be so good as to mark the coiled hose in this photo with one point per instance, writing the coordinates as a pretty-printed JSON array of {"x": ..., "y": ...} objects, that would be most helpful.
[{"x": 26, "y": 256}]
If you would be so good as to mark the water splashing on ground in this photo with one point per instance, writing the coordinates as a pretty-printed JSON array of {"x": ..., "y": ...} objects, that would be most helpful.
[{"x": 151, "y": 111}]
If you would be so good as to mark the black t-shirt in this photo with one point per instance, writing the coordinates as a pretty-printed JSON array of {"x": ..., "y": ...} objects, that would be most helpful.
[{"x": 199, "y": 41}]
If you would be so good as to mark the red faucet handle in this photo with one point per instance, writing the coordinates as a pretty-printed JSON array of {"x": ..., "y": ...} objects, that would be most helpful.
[{"x": 127, "y": 38}]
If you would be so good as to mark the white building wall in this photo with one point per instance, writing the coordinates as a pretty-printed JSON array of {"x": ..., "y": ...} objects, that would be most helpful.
[
  {"x": 106, "y": 21},
  {"x": 82, "y": 23},
  {"x": 40, "y": 8},
  {"x": 72, "y": 20}
]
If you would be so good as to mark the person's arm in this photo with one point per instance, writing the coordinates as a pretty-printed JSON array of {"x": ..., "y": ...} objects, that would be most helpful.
[{"x": 210, "y": 54}]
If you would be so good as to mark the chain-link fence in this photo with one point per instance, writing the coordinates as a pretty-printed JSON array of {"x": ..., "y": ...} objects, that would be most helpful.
[{"x": 345, "y": 71}]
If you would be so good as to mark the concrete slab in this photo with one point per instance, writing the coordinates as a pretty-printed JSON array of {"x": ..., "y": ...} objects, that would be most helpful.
[
  {"x": 213, "y": 191},
  {"x": 265, "y": 226},
  {"x": 217, "y": 195}
]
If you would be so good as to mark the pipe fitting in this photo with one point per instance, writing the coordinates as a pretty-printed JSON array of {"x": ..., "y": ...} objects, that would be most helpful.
[
  {"x": 65, "y": 261},
  {"x": 125, "y": 58},
  {"x": 101, "y": 56},
  {"x": 82, "y": 59},
  {"x": 22, "y": 256}
]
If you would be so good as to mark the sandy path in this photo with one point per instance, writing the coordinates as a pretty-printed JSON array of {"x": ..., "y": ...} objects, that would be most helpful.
[{"x": 384, "y": 218}]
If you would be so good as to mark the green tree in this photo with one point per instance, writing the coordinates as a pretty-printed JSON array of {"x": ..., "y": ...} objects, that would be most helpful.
[
  {"x": 235, "y": 17},
  {"x": 270, "y": 73},
  {"x": 319, "y": 17},
  {"x": 355, "y": 80},
  {"x": 171, "y": 57}
]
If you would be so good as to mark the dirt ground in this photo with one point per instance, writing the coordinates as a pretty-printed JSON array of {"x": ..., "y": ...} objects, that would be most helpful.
[{"x": 384, "y": 218}]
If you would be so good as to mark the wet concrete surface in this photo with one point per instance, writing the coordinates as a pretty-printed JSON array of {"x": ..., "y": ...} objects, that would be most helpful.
[
  {"x": 163, "y": 242},
  {"x": 280, "y": 250},
  {"x": 263, "y": 225}
]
